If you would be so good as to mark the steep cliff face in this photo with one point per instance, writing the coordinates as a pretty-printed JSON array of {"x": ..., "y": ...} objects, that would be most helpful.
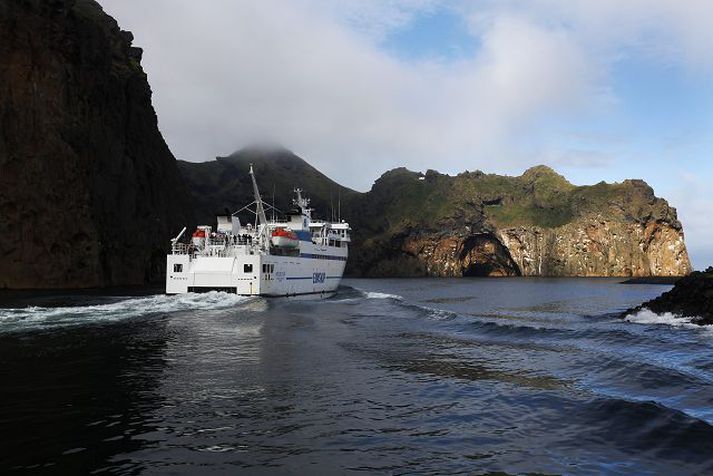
[
  {"x": 537, "y": 224},
  {"x": 598, "y": 246},
  {"x": 89, "y": 192}
]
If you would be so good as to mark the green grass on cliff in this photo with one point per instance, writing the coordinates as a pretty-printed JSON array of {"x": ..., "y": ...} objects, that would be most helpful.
[
  {"x": 539, "y": 197},
  {"x": 402, "y": 200}
]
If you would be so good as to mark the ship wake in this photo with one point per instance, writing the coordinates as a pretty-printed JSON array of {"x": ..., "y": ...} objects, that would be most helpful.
[{"x": 33, "y": 317}]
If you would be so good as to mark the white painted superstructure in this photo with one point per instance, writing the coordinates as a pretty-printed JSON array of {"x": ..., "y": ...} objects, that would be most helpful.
[{"x": 288, "y": 257}]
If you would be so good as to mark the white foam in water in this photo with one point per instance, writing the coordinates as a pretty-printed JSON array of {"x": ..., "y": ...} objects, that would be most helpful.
[
  {"x": 126, "y": 308},
  {"x": 646, "y": 316},
  {"x": 375, "y": 295},
  {"x": 439, "y": 314}
]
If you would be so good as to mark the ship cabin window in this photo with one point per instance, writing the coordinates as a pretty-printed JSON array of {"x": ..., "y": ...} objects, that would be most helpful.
[
  {"x": 272, "y": 268},
  {"x": 178, "y": 268},
  {"x": 247, "y": 268}
]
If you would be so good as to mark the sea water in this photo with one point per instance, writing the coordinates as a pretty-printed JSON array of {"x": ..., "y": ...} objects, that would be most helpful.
[{"x": 410, "y": 376}]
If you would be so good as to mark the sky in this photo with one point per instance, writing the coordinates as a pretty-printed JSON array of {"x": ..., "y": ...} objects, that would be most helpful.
[{"x": 597, "y": 89}]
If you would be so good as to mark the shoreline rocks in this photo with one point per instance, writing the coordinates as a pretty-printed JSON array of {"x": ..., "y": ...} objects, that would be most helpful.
[{"x": 691, "y": 297}]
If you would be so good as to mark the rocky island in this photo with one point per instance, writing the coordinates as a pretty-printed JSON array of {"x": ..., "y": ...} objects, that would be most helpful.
[{"x": 472, "y": 224}]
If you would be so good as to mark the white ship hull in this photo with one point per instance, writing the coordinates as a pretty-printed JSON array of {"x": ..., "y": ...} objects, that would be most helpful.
[{"x": 253, "y": 275}]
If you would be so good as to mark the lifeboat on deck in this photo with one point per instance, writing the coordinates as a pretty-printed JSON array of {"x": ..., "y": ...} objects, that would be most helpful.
[
  {"x": 282, "y": 238},
  {"x": 199, "y": 237}
]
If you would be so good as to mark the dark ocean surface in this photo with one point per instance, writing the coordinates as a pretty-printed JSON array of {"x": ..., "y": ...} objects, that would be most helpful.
[{"x": 427, "y": 376}]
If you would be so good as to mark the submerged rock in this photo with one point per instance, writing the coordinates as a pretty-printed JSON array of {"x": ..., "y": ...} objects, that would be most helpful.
[{"x": 691, "y": 297}]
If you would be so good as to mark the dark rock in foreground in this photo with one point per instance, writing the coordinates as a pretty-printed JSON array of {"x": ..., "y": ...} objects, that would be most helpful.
[{"x": 691, "y": 297}]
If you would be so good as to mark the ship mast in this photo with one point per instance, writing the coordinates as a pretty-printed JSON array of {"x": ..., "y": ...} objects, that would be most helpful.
[
  {"x": 262, "y": 219},
  {"x": 258, "y": 201}
]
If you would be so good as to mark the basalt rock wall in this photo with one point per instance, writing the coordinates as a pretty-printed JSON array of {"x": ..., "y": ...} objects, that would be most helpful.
[
  {"x": 89, "y": 192},
  {"x": 598, "y": 246},
  {"x": 457, "y": 256}
]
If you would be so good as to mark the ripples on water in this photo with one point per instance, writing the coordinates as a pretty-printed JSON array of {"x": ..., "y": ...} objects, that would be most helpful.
[{"x": 389, "y": 377}]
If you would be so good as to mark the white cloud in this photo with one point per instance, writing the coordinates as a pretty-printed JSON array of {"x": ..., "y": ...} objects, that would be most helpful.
[
  {"x": 375, "y": 18},
  {"x": 227, "y": 73},
  {"x": 668, "y": 30},
  {"x": 311, "y": 75},
  {"x": 694, "y": 210}
]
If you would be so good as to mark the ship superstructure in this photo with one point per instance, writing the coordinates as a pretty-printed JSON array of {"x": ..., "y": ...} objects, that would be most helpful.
[{"x": 289, "y": 256}]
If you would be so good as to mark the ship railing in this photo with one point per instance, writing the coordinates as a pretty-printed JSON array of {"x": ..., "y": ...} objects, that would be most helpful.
[
  {"x": 179, "y": 248},
  {"x": 242, "y": 239}
]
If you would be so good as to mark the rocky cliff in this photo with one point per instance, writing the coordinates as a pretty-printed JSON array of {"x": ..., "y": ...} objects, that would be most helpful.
[
  {"x": 89, "y": 192},
  {"x": 537, "y": 224}
]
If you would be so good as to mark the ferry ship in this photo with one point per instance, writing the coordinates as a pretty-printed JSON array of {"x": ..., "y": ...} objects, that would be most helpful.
[{"x": 292, "y": 256}]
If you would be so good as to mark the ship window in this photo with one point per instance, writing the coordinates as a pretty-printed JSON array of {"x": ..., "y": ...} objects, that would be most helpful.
[
  {"x": 178, "y": 268},
  {"x": 272, "y": 268},
  {"x": 247, "y": 268},
  {"x": 264, "y": 268}
]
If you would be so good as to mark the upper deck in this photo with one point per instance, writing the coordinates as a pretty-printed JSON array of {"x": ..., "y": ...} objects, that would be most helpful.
[{"x": 295, "y": 234}]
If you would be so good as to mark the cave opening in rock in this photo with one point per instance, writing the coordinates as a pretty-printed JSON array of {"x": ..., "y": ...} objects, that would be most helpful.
[
  {"x": 484, "y": 255},
  {"x": 478, "y": 270}
]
